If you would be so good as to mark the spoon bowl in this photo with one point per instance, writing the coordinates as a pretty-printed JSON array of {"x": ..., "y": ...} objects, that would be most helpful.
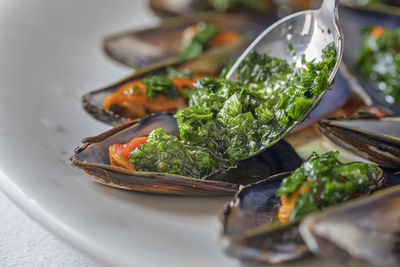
[
  {"x": 303, "y": 33},
  {"x": 307, "y": 32}
]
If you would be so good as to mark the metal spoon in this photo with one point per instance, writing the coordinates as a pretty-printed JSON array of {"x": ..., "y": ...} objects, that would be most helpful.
[{"x": 308, "y": 32}]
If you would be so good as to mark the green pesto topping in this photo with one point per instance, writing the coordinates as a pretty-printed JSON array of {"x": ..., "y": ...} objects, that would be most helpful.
[
  {"x": 174, "y": 73},
  {"x": 223, "y": 5},
  {"x": 198, "y": 43},
  {"x": 379, "y": 61},
  {"x": 330, "y": 182},
  {"x": 165, "y": 153},
  {"x": 162, "y": 84},
  {"x": 159, "y": 84},
  {"x": 229, "y": 121}
]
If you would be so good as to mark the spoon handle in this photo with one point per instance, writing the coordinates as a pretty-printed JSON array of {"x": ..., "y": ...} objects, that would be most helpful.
[{"x": 330, "y": 6}]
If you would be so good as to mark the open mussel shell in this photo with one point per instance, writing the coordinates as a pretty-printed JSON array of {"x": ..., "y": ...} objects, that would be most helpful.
[
  {"x": 160, "y": 45},
  {"x": 354, "y": 21},
  {"x": 93, "y": 159},
  {"x": 92, "y": 102},
  {"x": 361, "y": 231},
  {"x": 384, "y": 6},
  {"x": 248, "y": 231},
  {"x": 251, "y": 231},
  {"x": 374, "y": 138}
]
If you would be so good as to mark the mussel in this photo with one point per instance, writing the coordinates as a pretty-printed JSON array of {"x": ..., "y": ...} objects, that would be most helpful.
[
  {"x": 247, "y": 233},
  {"x": 117, "y": 113},
  {"x": 374, "y": 138},
  {"x": 251, "y": 228},
  {"x": 93, "y": 159},
  {"x": 361, "y": 231},
  {"x": 355, "y": 20},
  {"x": 160, "y": 45}
]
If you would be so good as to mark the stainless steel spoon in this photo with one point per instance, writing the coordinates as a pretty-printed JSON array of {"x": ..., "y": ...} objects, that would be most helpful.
[{"x": 308, "y": 32}]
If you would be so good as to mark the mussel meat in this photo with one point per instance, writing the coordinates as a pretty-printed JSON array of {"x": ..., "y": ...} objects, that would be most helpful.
[{"x": 93, "y": 159}]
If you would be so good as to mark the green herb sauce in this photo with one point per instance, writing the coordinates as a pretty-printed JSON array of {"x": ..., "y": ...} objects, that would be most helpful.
[
  {"x": 159, "y": 84},
  {"x": 227, "y": 121},
  {"x": 162, "y": 84},
  {"x": 174, "y": 73},
  {"x": 223, "y": 5},
  {"x": 164, "y": 153},
  {"x": 379, "y": 61},
  {"x": 330, "y": 182},
  {"x": 196, "y": 45}
]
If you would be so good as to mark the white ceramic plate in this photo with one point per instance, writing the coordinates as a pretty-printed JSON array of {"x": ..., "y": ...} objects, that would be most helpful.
[{"x": 50, "y": 54}]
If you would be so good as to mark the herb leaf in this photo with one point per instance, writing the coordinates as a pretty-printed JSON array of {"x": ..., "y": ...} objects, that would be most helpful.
[
  {"x": 379, "y": 61},
  {"x": 198, "y": 43},
  {"x": 228, "y": 121},
  {"x": 174, "y": 73},
  {"x": 165, "y": 153},
  {"x": 329, "y": 182},
  {"x": 158, "y": 84}
]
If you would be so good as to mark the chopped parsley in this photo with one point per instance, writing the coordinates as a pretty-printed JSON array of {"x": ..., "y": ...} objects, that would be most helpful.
[
  {"x": 223, "y": 5},
  {"x": 174, "y": 73},
  {"x": 198, "y": 43},
  {"x": 196, "y": 163},
  {"x": 379, "y": 61},
  {"x": 159, "y": 84},
  {"x": 329, "y": 181},
  {"x": 228, "y": 121}
]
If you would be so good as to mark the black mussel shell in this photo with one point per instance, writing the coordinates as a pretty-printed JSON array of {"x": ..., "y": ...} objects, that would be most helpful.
[
  {"x": 374, "y": 138},
  {"x": 160, "y": 45},
  {"x": 92, "y": 102},
  {"x": 250, "y": 228},
  {"x": 248, "y": 231},
  {"x": 362, "y": 231},
  {"x": 93, "y": 159}
]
